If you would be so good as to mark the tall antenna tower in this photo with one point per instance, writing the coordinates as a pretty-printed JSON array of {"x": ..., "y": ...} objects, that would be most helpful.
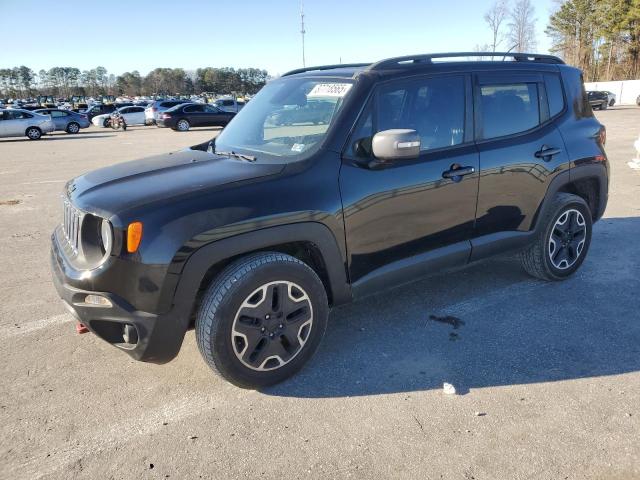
[{"x": 302, "y": 30}]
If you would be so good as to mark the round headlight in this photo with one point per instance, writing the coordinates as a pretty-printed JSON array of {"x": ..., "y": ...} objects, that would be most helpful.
[{"x": 107, "y": 236}]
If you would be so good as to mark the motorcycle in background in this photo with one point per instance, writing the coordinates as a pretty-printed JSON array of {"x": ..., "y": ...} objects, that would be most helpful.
[{"x": 117, "y": 121}]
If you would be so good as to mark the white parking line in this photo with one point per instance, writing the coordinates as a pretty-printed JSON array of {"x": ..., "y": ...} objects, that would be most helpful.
[
  {"x": 89, "y": 443},
  {"x": 8, "y": 331}
]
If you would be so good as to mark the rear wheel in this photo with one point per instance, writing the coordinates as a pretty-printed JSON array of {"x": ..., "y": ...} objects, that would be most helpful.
[
  {"x": 563, "y": 242},
  {"x": 183, "y": 125},
  {"x": 106, "y": 123},
  {"x": 73, "y": 127},
  {"x": 612, "y": 102},
  {"x": 262, "y": 319},
  {"x": 33, "y": 133}
]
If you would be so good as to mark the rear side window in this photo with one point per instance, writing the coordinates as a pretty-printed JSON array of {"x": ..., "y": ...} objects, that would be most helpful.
[
  {"x": 507, "y": 109},
  {"x": 553, "y": 85}
]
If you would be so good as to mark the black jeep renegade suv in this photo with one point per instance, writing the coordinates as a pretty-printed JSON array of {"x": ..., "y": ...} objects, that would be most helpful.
[{"x": 416, "y": 163}]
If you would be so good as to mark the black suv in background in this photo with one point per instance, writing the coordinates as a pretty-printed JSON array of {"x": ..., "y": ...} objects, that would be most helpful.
[
  {"x": 182, "y": 117},
  {"x": 254, "y": 236},
  {"x": 599, "y": 100}
]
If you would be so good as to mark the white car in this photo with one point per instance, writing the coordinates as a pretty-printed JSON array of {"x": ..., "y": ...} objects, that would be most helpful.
[
  {"x": 132, "y": 116},
  {"x": 19, "y": 123}
]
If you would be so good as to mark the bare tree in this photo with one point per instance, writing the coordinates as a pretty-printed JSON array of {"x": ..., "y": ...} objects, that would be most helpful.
[
  {"x": 495, "y": 17},
  {"x": 522, "y": 28}
]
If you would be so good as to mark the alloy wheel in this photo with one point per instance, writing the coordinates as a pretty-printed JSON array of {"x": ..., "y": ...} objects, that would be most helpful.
[
  {"x": 567, "y": 239},
  {"x": 183, "y": 125},
  {"x": 272, "y": 325},
  {"x": 33, "y": 133}
]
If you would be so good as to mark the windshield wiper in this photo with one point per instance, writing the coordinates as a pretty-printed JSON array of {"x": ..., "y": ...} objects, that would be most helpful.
[{"x": 241, "y": 156}]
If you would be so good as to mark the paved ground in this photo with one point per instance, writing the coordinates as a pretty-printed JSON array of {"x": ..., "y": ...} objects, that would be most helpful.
[{"x": 552, "y": 369}]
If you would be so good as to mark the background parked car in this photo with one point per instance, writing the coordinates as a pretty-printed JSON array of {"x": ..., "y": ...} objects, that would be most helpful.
[
  {"x": 612, "y": 98},
  {"x": 18, "y": 123},
  {"x": 229, "y": 105},
  {"x": 66, "y": 120},
  {"x": 183, "y": 117},
  {"x": 154, "y": 110},
  {"x": 133, "y": 115},
  {"x": 599, "y": 100}
]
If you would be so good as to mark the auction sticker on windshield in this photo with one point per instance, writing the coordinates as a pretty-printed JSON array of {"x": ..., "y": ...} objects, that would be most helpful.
[{"x": 329, "y": 90}]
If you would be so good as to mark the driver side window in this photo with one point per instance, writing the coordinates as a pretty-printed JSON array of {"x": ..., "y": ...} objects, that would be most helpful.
[{"x": 434, "y": 107}]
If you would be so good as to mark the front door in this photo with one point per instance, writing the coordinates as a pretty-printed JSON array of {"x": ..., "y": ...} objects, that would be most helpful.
[
  {"x": 215, "y": 116},
  {"x": 397, "y": 211}
]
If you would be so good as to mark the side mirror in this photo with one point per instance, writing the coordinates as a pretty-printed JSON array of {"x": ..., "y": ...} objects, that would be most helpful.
[{"x": 397, "y": 144}]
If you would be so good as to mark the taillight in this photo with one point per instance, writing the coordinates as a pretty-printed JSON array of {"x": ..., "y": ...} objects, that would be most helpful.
[
  {"x": 603, "y": 134},
  {"x": 165, "y": 115}
]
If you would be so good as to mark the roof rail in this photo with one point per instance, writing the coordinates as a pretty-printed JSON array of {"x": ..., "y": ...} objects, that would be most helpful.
[
  {"x": 325, "y": 67},
  {"x": 397, "y": 62}
]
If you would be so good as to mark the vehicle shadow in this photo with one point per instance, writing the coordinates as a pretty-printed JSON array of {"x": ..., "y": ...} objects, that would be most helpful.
[
  {"x": 487, "y": 325},
  {"x": 49, "y": 138}
]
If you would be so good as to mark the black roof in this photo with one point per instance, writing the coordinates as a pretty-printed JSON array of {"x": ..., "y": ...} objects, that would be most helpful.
[{"x": 422, "y": 61}]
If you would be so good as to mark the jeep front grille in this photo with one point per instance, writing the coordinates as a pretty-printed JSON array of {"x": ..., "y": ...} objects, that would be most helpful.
[{"x": 72, "y": 221}]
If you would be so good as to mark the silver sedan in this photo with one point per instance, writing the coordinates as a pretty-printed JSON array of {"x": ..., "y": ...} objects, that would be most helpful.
[
  {"x": 66, "y": 120},
  {"x": 15, "y": 122}
]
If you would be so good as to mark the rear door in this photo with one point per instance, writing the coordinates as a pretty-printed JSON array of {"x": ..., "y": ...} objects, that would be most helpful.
[{"x": 521, "y": 149}]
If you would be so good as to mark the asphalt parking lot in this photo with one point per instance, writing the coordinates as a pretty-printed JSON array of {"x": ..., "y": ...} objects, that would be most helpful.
[{"x": 548, "y": 375}]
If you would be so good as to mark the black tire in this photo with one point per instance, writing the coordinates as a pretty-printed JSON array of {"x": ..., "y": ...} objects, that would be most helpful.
[
  {"x": 33, "y": 133},
  {"x": 183, "y": 125},
  {"x": 106, "y": 123},
  {"x": 220, "y": 315},
  {"x": 612, "y": 102},
  {"x": 73, "y": 128},
  {"x": 537, "y": 258}
]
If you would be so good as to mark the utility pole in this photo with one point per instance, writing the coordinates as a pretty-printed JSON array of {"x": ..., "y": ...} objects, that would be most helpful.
[{"x": 302, "y": 30}]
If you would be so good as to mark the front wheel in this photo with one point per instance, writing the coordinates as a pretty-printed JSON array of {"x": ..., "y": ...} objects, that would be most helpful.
[
  {"x": 262, "y": 319},
  {"x": 563, "y": 242}
]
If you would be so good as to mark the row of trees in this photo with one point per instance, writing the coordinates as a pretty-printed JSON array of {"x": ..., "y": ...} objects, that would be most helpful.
[
  {"x": 602, "y": 37},
  {"x": 512, "y": 25},
  {"x": 23, "y": 82}
]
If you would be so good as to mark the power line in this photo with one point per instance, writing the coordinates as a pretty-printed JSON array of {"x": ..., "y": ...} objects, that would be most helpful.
[{"x": 302, "y": 30}]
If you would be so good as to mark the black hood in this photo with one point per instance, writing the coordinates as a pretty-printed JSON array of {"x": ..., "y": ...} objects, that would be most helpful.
[{"x": 123, "y": 186}]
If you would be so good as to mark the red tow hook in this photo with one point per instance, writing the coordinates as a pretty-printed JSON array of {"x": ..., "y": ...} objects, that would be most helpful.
[{"x": 80, "y": 328}]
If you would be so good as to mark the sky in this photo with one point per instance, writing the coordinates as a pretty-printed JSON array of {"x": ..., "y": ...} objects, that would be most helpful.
[{"x": 142, "y": 34}]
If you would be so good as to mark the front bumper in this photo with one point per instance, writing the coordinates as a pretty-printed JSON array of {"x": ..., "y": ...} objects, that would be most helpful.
[{"x": 159, "y": 337}]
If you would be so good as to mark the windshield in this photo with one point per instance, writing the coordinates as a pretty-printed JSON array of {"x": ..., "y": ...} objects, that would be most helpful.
[{"x": 286, "y": 121}]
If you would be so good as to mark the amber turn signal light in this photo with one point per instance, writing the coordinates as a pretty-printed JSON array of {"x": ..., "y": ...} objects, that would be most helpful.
[{"x": 134, "y": 236}]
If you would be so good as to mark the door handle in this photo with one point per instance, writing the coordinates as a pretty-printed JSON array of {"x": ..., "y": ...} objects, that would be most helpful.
[
  {"x": 457, "y": 172},
  {"x": 546, "y": 153}
]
